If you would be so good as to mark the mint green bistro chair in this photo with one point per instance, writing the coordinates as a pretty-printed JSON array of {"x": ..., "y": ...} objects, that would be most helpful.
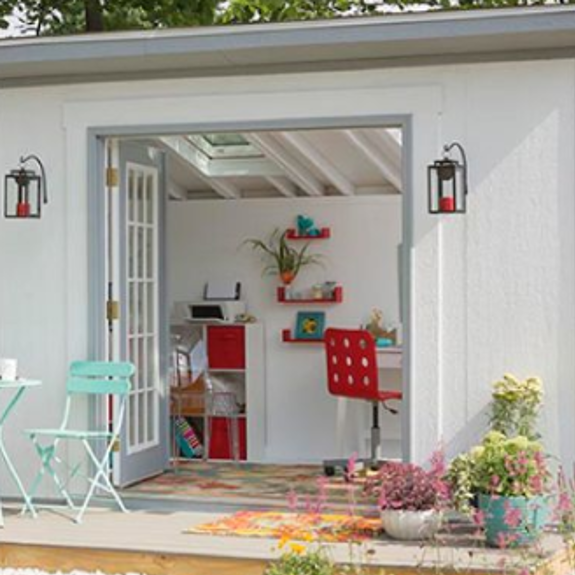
[{"x": 85, "y": 379}]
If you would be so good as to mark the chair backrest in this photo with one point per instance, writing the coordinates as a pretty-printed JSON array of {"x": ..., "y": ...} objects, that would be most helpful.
[
  {"x": 100, "y": 377},
  {"x": 352, "y": 364}
]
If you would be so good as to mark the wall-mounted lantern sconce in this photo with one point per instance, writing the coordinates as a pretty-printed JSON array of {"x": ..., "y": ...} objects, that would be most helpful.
[
  {"x": 447, "y": 183},
  {"x": 25, "y": 191}
]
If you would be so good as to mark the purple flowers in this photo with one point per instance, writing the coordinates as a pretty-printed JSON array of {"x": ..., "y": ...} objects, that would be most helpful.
[{"x": 408, "y": 487}]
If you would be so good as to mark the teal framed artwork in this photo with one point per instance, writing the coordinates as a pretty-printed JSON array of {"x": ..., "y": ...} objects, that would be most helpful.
[{"x": 310, "y": 325}]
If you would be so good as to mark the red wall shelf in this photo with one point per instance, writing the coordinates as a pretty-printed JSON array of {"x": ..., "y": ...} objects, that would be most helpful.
[
  {"x": 336, "y": 298},
  {"x": 324, "y": 234},
  {"x": 287, "y": 337}
]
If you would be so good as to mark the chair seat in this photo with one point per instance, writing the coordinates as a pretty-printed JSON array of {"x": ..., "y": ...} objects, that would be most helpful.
[
  {"x": 70, "y": 433},
  {"x": 387, "y": 395}
]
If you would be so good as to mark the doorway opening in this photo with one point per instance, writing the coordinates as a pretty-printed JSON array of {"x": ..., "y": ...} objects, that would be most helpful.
[{"x": 196, "y": 311}]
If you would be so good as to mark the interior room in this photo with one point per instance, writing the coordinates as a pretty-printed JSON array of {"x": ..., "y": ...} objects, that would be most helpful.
[{"x": 244, "y": 341}]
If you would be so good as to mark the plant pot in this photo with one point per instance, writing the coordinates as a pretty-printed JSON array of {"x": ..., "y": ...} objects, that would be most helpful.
[
  {"x": 513, "y": 521},
  {"x": 411, "y": 525},
  {"x": 287, "y": 277}
]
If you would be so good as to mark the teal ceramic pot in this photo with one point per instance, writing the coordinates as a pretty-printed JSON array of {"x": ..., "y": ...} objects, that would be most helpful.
[{"x": 513, "y": 521}]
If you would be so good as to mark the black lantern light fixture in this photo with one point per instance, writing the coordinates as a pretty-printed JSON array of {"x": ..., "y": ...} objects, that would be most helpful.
[
  {"x": 25, "y": 191},
  {"x": 447, "y": 183}
]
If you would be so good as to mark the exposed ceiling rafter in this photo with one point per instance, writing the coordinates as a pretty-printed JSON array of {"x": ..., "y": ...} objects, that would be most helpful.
[
  {"x": 382, "y": 156},
  {"x": 304, "y": 147},
  {"x": 292, "y": 167},
  {"x": 284, "y": 186}
]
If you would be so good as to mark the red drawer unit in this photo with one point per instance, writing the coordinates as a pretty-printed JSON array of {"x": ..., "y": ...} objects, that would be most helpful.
[
  {"x": 226, "y": 347},
  {"x": 220, "y": 441}
]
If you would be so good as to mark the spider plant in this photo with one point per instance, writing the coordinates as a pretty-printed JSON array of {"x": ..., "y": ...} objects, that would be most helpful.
[{"x": 282, "y": 258}]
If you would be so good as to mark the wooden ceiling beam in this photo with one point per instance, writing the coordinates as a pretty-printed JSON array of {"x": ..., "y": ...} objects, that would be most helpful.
[
  {"x": 378, "y": 156},
  {"x": 296, "y": 171},
  {"x": 322, "y": 164}
]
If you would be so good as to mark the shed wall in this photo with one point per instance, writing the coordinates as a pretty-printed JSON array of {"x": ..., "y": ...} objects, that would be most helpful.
[{"x": 492, "y": 291}]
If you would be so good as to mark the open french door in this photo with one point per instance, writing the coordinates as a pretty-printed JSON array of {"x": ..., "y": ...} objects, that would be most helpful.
[{"x": 135, "y": 223}]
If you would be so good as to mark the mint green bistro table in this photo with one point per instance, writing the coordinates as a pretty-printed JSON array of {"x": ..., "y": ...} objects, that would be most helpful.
[{"x": 17, "y": 388}]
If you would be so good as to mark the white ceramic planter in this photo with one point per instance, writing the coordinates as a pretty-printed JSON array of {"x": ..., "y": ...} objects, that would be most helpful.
[{"x": 410, "y": 525}]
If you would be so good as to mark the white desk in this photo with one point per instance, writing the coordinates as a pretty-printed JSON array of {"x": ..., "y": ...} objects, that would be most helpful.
[{"x": 389, "y": 357}]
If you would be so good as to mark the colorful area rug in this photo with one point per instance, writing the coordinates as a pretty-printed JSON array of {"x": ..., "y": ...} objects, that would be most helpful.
[
  {"x": 293, "y": 526},
  {"x": 301, "y": 487}
]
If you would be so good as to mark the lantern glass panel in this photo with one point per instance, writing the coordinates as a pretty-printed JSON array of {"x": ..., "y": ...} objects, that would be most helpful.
[{"x": 22, "y": 194}]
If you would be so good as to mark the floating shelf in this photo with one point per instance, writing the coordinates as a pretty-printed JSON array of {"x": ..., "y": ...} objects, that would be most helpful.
[
  {"x": 287, "y": 337},
  {"x": 336, "y": 298},
  {"x": 324, "y": 234}
]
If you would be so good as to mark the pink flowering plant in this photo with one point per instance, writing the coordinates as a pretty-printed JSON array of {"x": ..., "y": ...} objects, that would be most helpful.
[
  {"x": 510, "y": 466},
  {"x": 500, "y": 465},
  {"x": 408, "y": 487}
]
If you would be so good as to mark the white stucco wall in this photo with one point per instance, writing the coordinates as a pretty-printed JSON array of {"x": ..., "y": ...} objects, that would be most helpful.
[{"x": 493, "y": 291}]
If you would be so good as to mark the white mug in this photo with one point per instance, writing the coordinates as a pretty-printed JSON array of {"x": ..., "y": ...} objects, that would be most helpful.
[{"x": 8, "y": 369}]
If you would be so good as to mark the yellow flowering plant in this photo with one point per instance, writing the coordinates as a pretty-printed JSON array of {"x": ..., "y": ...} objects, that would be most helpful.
[
  {"x": 515, "y": 406},
  {"x": 300, "y": 559}
]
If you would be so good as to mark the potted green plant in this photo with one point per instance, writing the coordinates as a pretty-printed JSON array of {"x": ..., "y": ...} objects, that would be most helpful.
[
  {"x": 515, "y": 406},
  {"x": 282, "y": 258},
  {"x": 510, "y": 477},
  {"x": 411, "y": 500}
]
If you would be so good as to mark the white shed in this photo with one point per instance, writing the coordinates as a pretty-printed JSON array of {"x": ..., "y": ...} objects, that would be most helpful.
[{"x": 240, "y": 129}]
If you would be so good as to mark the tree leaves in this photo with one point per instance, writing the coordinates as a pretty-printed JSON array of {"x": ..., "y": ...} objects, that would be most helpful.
[{"x": 74, "y": 16}]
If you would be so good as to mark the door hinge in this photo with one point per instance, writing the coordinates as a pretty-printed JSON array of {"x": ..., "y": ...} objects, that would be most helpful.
[
  {"x": 116, "y": 445},
  {"x": 112, "y": 310},
  {"x": 112, "y": 177}
]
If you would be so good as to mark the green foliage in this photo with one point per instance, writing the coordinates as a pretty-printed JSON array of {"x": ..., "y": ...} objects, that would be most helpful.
[
  {"x": 461, "y": 482},
  {"x": 281, "y": 257},
  {"x": 500, "y": 465},
  {"x": 509, "y": 466},
  {"x": 510, "y": 460},
  {"x": 71, "y": 16},
  {"x": 515, "y": 406},
  {"x": 298, "y": 562},
  {"x": 74, "y": 16},
  {"x": 239, "y": 11}
]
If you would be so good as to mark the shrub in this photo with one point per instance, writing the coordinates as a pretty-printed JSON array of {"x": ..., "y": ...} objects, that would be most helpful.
[
  {"x": 298, "y": 561},
  {"x": 515, "y": 406},
  {"x": 408, "y": 487}
]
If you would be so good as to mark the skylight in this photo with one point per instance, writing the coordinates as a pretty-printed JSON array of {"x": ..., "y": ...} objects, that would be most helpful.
[{"x": 224, "y": 146}]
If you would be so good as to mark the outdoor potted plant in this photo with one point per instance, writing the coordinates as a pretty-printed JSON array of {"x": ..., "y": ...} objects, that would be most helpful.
[
  {"x": 411, "y": 500},
  {"x": 505, "y": 480},
  {"x": 282, "y": 258},
  {"x": 511, "y": 481}
]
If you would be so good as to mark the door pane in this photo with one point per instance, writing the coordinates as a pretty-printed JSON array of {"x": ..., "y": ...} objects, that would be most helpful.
[
  {"x": 140, "y": 192},
  {"x": 142, "y": 308},
  {"x": 141, "y": 253},
  {"x": 150, "y": 204}
]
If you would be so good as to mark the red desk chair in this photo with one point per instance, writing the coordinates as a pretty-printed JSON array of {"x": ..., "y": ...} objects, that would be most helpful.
[{"x": 352, "y": 372}]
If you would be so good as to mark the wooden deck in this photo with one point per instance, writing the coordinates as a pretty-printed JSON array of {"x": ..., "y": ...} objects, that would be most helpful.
[{"x": 154, "y": 543}]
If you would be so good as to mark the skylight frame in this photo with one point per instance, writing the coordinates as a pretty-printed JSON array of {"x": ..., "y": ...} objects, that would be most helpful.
[{"x": 227, "y": 151}]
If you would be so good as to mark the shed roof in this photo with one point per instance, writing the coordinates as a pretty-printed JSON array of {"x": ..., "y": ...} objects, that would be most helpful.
[{"x": 392, "y": 40}]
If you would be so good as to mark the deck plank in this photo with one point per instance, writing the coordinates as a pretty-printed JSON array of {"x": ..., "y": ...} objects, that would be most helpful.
[{"x": 154, "y": 543}]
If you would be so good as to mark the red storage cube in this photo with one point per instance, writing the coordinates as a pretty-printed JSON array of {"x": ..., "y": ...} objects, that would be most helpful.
[
  {"x": 220, "y": 441},
  {"x": 226, "y": 347}
]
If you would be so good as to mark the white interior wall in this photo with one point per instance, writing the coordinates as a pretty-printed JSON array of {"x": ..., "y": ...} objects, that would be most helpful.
[
  {"x": 493, "y": 291},
  {"x": 304, "y": 423}
]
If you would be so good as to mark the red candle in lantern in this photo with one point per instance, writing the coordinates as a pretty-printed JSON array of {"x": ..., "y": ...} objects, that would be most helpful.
[
  {"x": 447, "y": 204},
  {"x": 23, "y": 210}
]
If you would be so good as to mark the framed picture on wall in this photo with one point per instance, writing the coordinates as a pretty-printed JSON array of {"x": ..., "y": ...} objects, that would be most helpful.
[{"x": 310, "y": 324}]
